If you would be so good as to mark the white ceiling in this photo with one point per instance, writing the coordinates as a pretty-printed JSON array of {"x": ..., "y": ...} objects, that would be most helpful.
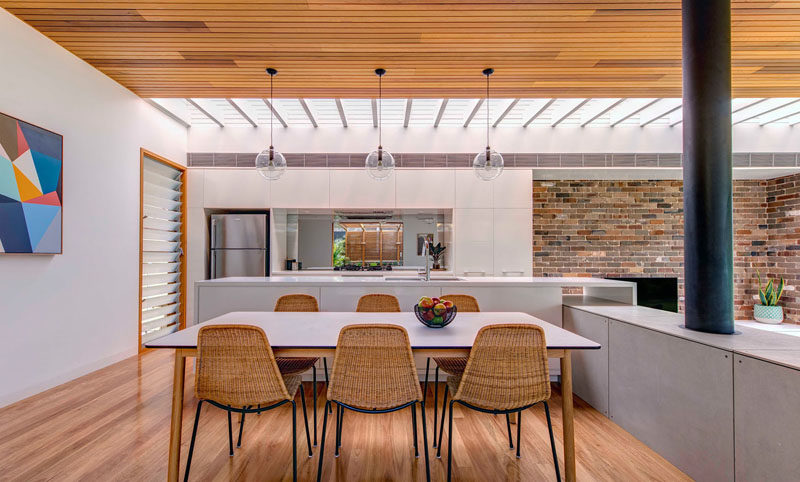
[{"x": 599, "y": 112}]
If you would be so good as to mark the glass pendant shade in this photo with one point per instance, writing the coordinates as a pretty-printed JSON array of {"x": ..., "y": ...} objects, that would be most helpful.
[
  {"x": 380, "y": 164},
  {"x": 270, "y": 163},
  {"x": 488, "y": 164}
]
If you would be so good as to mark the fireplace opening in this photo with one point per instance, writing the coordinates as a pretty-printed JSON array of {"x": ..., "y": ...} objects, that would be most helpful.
[{"x": 658, "y": 293}]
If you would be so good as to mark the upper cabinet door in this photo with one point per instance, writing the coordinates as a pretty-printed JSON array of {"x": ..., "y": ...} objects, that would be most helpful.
[
  {"x": 514, "y": 189},
  {"x": 301, "y": 188},
  {"x": 425, "y": 188},
  {"x": 472, "y": 192},
  {"x": 473, "y": 242},
  {"x": 353, "y": 188},
  {"x": 235, "y": 188},
  {"x": 194, "y": 184}
]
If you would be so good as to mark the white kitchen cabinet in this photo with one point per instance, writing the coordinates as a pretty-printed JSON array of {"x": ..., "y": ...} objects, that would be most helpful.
[
  {"x": 425, "y": 188},
  {"x": 513, "y": 242},
  {"x": 301, "y": 188},
  {"x": 472, "y": 192},
  {"x": 235, "y": 189},
  {"x": 193, "y": 181},
  {"x": 353, "y": 188},
  {"x": 473, "y": 242},
  {"x": 513, "y": 189}
]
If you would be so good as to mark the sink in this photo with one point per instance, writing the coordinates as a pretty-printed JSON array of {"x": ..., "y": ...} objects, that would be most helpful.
[{"x": 419, "y": 278}]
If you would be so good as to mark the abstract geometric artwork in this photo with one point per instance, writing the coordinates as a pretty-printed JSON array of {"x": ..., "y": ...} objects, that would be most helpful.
[{"x": 30, "y": 188}]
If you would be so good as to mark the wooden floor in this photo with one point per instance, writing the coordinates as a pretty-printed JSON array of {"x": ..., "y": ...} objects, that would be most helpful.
[{"x": 113, "y": 424}]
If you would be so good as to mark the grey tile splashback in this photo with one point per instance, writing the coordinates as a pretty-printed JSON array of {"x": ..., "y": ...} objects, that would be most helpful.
[{"x": 461, "y": 160}]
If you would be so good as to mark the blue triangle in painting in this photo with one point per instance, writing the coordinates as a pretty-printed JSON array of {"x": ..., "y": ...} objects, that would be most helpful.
[
  {"x": 8, "y": 181},
  {"x": 13, "y": 230},
  {"x": 51, "y": 240},
  {"x": 48, "y": 169},
  {"x": 38, "y": 218},
  {"x": 40, "y": 140}
]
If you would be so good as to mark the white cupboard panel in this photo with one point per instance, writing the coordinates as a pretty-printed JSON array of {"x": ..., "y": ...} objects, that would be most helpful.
[
  {"x": 472, "y": 192},
  {"x": 473, "y": 242},
  {"x": 513, "y": 189},
  {"x": 235, "y": 188},
  {"x": 194, "y": 181},
  {"x": 513, "y": 242},
  {"x": 425, "y": 188},
  {"x": 301, "y": 188},
  {"x": 353, "y": 188}
]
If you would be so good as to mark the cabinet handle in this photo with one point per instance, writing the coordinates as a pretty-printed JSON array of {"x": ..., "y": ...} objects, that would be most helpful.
[
  {"x": 513, "y": 271},
  {"x": 469, "y": 273}
]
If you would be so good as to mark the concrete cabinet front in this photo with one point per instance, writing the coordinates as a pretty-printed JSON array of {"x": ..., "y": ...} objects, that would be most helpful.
[
  {"x": 674, "y": 395},
  {"x": 767, "y": 422},
  {"x": 589, "y": 367}
]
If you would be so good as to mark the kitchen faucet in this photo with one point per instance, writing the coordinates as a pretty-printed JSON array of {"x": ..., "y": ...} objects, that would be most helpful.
[{"x": 427, "y": 253}]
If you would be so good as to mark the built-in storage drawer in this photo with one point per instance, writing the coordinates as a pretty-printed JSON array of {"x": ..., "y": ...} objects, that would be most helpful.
[
  {"x": 589, "y": 367},
  {"x": 676, "y": 396},
  {"x": 766, "y": 399}
]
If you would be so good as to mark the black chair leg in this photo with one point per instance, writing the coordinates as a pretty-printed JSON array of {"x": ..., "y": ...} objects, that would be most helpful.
[
  {"x": 449, "y": 443},
  {"x": 314, "y": 382},
  {"x": 508, "y": 425},
  {"x": 230, "y": 434},
  {"x": 341, "y": 425},
  {"x": 425, "y": 385},
  {"x": 305, "y": 417},
  {"x": 425, "y": 444},
  {"x": 552, "y": 440},
  {"x": 441, "y": 426},
  {"x": 519, "y": 430},
  {"x": 414, "y": 424},
  {"x": 435, "y": 402},
  {"x": 241, "y": 429},
  {"x": 325, "y": 365},
  {"x": 294, "y": 441},
  {"x": 191, "y": 445},
  {"x": 322, "y": 441},
  {"x": 336, "y": 439}
]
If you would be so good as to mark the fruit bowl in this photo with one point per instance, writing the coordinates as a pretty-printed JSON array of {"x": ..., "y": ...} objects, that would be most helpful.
[{"x": 435, "y": 315}]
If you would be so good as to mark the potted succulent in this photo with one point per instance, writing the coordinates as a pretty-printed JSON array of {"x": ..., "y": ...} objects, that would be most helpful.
[
  {"x": 769, "y": 311},
  {"x": 436, "y": 253}
]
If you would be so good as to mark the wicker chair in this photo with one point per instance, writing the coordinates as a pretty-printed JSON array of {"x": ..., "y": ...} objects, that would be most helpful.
[
  {"x": 378, "y": 303},
  {"x": 453, "y": 366},
  {"x": 236, "y": 371},
  {"x": 374, "y": 372},
  {"x": 506, "y": 372},
  {"x": 297, "y": 366}
]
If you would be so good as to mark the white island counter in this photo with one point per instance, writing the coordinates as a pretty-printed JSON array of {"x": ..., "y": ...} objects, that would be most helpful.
[{"x": 540, "y": 297}]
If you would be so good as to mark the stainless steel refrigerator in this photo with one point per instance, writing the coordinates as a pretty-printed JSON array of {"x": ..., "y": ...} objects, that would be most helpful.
[{"x": 239, "y": 245}]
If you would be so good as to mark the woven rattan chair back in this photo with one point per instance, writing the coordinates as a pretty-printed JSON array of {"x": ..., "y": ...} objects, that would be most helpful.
[
  {"x": 506, "y": 369},
  {"x": 236, "y": 367},
  {"x": 378, "y": 303},
  {"x": 297, "y": 302},
  {"x": 373, "y": 368},
  {"x": 464, "y": 303}
]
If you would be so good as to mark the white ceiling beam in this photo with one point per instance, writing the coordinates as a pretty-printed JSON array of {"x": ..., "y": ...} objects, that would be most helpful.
[
  {"x": 307, "y": 109},
  {"x": 598, "y": 109},
  {"x": 770, "y": 105},
  {"x": 660, "y": 109},
  {"x": 242, "y": 112},
  {"x": 794, "y": 122},
  {"x": 275, "y": 112},
  {"x": 439, "y": 114},
  {"x": 407, "y": 116},
  {"x": 473, "y": 113},
  {"x": 374, "y": 112},
  {"x": 341, "y": 112},
  {"x": 784, "y": 113},
  {"x": 739, "y": 104},
  {"x": 505, "y": 113},
  {"x": 628, "y": 109},
  {"x": 566, "y": 109},
  {"x": 175, "y": 109},
  {"x": 538, "y": 109},
  {"x": 207, "y": 110}
]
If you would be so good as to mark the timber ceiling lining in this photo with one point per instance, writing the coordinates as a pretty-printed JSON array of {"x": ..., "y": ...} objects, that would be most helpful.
[{"x": 328, "y": 48}]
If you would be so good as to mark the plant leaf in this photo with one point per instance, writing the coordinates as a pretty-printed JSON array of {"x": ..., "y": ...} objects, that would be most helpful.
[
  {"x": 762, "y": 298},
  {"x": 779, "y": 292}
]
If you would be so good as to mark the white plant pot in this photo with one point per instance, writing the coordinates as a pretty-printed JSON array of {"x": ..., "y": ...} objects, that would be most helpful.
[{"x": 768, "y": 314}]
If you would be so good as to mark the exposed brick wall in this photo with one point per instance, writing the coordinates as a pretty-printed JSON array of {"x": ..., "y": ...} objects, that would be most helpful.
[{"x": 635, "y": 228}]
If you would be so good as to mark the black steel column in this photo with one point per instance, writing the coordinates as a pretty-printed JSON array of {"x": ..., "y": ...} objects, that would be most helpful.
[{"x": 707, "y": 165}]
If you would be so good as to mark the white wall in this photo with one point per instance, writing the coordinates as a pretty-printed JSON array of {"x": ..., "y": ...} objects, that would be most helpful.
[
  {"x": 746, "y": 138},
  {"x": 63, "y": 316}
]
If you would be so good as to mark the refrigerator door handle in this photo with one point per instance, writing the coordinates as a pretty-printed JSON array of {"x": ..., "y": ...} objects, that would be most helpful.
[
  {"x": 213, "y": 264},
  {"x": 213, "y": 233}
]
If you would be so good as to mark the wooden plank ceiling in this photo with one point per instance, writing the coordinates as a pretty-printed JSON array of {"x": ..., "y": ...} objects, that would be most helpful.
[{"x": 328, "y": 48}]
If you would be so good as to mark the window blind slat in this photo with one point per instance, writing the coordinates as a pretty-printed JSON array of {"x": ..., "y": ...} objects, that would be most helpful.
[
  {"x": 163, "y": 181},
  {"x": 154, "y": 279},
  {"x": 157, "y": 191},
  {"x": 152, "y": 335},
  {"x": 161, "y": 224},
  {"x": 160, "y": 289},
  {"x": 154, "y": 268},
  {"x": 160, "y": 257},
  {"x": 159, "y": 311},
  {"x": 159, "y": 213},
  {"x": 160, "y": 300},
  {"x": 159, "y": 202},
  {"x": 155, "y": 245},
  {"x": 158, "y": 235}
]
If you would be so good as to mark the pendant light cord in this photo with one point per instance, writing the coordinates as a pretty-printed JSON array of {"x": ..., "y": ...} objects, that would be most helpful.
[
  {"x": 487, "y": 114},
  {"x": 271, "y": 111},
  {"x": 380, "y": 111}
]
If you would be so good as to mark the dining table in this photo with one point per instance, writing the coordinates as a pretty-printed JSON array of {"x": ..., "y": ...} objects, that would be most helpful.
[{"x": 314, "y": 334}]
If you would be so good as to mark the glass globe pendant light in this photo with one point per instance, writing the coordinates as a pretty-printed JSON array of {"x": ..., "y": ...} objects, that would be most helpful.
[
  {"x": 487, "y": 164},
  {"x": 380, "y": 162},
  {"x": 270, "y": 163}
]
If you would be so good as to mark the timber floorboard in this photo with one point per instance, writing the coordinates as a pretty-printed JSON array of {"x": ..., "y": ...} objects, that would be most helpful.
[{"x": 113, "y": 424}]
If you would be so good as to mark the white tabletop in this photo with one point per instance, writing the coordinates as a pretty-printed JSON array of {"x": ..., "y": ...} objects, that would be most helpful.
[{"x": 321, "y": 329}]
